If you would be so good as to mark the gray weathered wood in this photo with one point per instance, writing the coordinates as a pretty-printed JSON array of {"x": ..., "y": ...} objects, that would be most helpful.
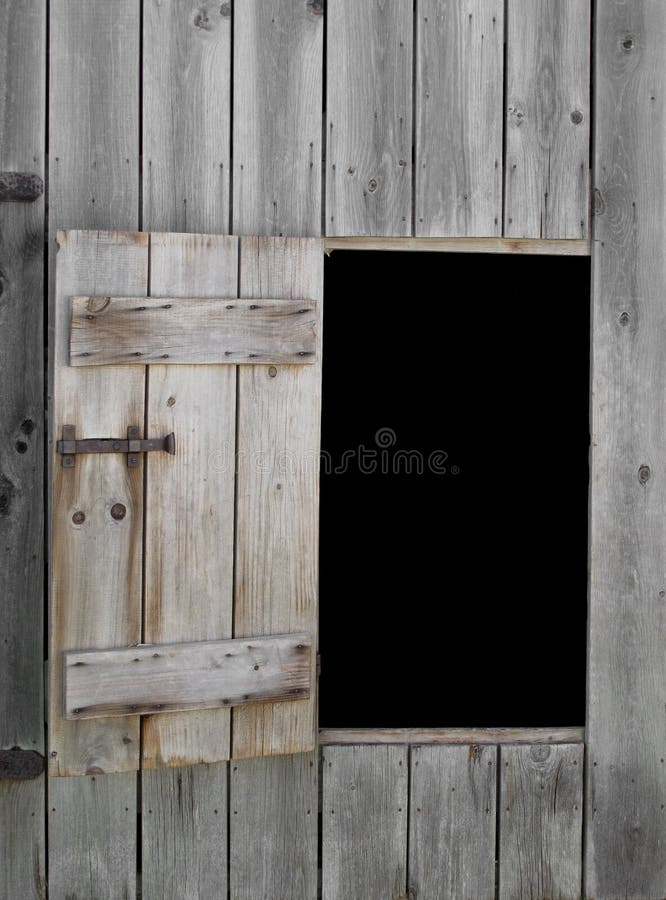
[
  {"x": 273, "y": 821},
  {"x": 540, "y": 822},
  {"x": 186, "y": 115},
  {"x": 520, "y": 246},
  {"x": 108, "y": 330},
  {"x": 278, "y": 71},
  {"x": 450, "y": 735},
  {"x": 22, "y": 868},
  {"x": 156, "y": 678},
  {"x": 92, "y": 837},
  {"x": 369, "y": 118},
  {"x": 547, "y": 125},
  {"x": 364, "y": 822},
  {"x": 458, "y": 154},
  {"x": 184, "y": 830},
  {"x": 452, "y": 822},
  {"x": 626, "y": 727}
]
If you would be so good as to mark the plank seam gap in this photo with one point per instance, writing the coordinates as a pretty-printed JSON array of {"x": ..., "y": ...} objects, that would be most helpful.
[
  {"x": 498, "y": 807},
  {"x": 230, "y": 173},
  {"x": 324, "y": 87},
  {"x": 140, "y": 135},
  {"x": 505, "y": 89},
  {"x": 415, "y": 13}
]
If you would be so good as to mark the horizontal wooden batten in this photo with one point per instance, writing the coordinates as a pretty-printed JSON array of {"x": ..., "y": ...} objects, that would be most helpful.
[
  {"x": 191, "y": 331},
  {"x": 159, "y": 678},
  {"x": 356, "y": 736},
  {"x": 522, "y": 246}
]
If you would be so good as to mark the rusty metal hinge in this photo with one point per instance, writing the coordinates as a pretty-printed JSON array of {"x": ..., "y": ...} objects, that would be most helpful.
[{"x": 134, "y": 445}]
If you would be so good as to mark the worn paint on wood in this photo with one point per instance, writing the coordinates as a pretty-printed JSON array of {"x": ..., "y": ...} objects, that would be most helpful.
[
  {"x": 452, "y": 822},
  {"x": 626, "y": 772},
  {"x": 547, "y": 124},
  {"x": 195, "y": 331},
  {"x": 184, "y": 833},
  {"x": 450, "y": 735},
  {"x": 364, "y": 822},
  {"x": 460, "y": 77},
  {"x": 277, "y": 498},
  {"x": 95, "y": 559},
  {"x": 540, "y": 822},
  {"x": 186, "y": 115},
  {"x": 190, "y": 498},
  {"x": 369, "y": 117},
  {"x": 92, "y": 837},
  {"x": 273, "y": 823},
  {"x": 278, "y": 71},
  {"x": 156, "y": 678}
]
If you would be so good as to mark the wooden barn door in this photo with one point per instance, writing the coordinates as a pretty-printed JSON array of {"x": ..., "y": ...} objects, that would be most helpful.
[{"x": 185, "y": 425}]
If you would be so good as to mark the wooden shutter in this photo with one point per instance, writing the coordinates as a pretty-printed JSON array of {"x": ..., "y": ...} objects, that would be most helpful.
[{"x": 183, "y": 585}]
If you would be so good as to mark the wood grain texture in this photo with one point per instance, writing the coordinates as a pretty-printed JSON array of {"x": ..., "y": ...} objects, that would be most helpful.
[
  {"x": 96, "y": 562},
  {"x": 459, "y": 83},
  {"x": 540, "y": 822},
  {"x": 452, "y": 822},
  {"x": 190, "y": 498},
  {"x": 450, "y": 735},
  {"x": 92, "y": 837},
  {"x": 626, "y": 773},
  {"x": 278, "y": 71},
  {"x": 273, "y": 822},
  {"x": 364, "y": 822},
  {"x": 461, "y": 245},
  {"x": 157, "y": 678},
  {"x": 194, "y": 331},
  {"x": 22, "y": 840},
  {"x": 186, "y": 115},
  {"x": 277, "y": 494},
  {"x": 547, "y": 122},
  {"x": 369, "y": 118},
  {"x": 184, "y": 831}
]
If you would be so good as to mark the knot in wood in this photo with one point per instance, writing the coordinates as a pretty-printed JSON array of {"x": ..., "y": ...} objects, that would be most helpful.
[
  {"x": 118, "y": 511},
  {"x": 516, "y": 115},
  {"x": 540, "y": 752},
  {"x": 644, "y": 474},
  {"x": 372, "y": 185},
  {"x": 79, "y": 517},
  {"x": 576, "y": 117},
  {"x": 316, "y": 7},
  {"x": 628, "y": 43},
  {"x": 624, "y": 318}
]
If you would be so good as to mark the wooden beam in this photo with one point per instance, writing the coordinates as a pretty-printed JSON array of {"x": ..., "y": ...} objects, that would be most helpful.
[
  {"x": 199, "y": 330},
  {"x": 328, "y": 736},
  {"x": 521, "y": 246},
  {"x": 159, "y": 678}
]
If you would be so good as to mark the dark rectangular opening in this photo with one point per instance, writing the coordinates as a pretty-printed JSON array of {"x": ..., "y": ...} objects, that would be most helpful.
[{"x": 454, "y": 490}]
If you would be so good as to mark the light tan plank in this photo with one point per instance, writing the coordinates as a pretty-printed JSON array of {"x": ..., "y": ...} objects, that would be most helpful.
[
  {"x": 461, "y": 245},
  {"x": 277, "y": 506},
  {"x": 92, "y": 837},
  {"x": 364, "y": 822},
  {"x": 460, "y": 77},
  {"x": 190, "y": 498},
  {"x": 273, "y": 823},
  {"x": 547, "y": 119},
  {"x": 369, "y": 118},
  {"x": 95, "y": 559},
  {"x": 184, "y": 830},
  {"x": 540, "y": 822},
  {"x": 154, "y": 678},
  {"x": 278, "y": 71},
  {"x": 626, "y": 784},
  {"x": 452, "y": 822},
  {"x": 194, "y": 331},
  {"x": 186, "y": 115},
  {"x": 450, "y": 735}
]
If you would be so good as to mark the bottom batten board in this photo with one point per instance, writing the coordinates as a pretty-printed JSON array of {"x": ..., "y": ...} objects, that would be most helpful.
[{"x": 155, "y": 678}]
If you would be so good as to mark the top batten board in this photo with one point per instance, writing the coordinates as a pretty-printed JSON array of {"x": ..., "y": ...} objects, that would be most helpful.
[{"x": 127, "y": 330}]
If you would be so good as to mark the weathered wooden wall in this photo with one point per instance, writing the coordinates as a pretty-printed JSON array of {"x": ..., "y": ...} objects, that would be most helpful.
[{"x": 387, "y": 118}]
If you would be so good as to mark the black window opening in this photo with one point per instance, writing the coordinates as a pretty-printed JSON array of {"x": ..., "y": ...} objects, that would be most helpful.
[{"x": 454, "y": 490}]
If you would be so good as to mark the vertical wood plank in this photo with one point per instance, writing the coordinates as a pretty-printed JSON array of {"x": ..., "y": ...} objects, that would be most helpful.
[
  {"x": 540, "y": 821},
  {"x": 626, "y": 727},
  {"x": 452, "y": 822},
  {"x": 369, "y": 118},
  {"x": 184, "y": 833},
  {"x": 277, "y": 494},
  {"x": 364, "y": 822},
  {"x": 458, "y": 156},
  {"x": 190, "y": 497},
  {"x": 22, "y": 123},
  {"x": 547, "y": 119},
  {"x": 186, "y": 115},
  {"x": 92, "y": 837},
  {"x": 273, "y": 818},
  {"x": 278, "y": 71}
]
